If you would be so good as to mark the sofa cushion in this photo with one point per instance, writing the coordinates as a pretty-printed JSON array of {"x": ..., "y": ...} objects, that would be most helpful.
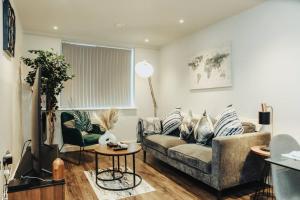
[
  {"x": 193, "y": 155},
  {"x": 162, "y": 143}
]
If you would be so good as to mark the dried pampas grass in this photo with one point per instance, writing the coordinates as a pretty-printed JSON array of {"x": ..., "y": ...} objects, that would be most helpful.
[{"x": 107, "y": 119}]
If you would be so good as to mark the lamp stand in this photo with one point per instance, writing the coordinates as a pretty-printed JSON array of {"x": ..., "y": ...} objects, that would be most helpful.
[
  {"x": 272, "y": 120},
  {"x": 267, "y": 148},
  {"x": 153, "y": 97}
]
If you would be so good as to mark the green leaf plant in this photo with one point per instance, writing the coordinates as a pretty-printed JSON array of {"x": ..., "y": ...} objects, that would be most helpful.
[{"x": 54, "y": 72}]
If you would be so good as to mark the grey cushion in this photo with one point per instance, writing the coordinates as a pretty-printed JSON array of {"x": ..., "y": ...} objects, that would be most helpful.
[
  {"x": 194, "y": 155},
  {"x": 248, "y": 127},
  {"x": 162, "y": 143}
]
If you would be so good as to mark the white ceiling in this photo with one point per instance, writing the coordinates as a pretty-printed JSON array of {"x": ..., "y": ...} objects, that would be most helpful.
[{"x": 94, "y": 21}]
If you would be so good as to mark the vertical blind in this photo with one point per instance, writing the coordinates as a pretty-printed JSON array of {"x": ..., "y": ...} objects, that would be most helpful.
[{"x": 103, "y": 77}]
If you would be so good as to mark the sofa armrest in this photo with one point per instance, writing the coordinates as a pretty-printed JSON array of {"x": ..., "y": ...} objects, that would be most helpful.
[
  {"x": 232, "y": 162},
  {"x": 142, "y": 131}
]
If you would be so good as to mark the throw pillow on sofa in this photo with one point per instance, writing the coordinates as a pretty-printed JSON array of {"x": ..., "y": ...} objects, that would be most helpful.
[
  {"x": 187, "y": 128},
  {"x": 171, "y": 122},
  {"x": 248, "y": 127},
  {"x": 228, "y": 123},
  {"x": 82, "y": 121},
  {"x": 204, "y": 130},
  {"x": 186, "y": 133}
]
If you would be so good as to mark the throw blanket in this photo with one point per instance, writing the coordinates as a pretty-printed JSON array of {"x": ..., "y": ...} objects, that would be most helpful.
[{"x": 148, "y": 126}]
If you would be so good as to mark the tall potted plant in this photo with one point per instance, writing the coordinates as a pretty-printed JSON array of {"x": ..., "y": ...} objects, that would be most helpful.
[{"x": 54, "y": 72}]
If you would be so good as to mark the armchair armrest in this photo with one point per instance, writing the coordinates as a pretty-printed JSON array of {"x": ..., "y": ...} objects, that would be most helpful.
[
  {"x": 72, "y": 136},
  {"x": 232, "y": 162}
]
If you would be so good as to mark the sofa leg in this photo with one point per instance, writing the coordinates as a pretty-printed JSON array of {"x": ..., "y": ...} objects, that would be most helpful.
[{"x": 144, "y": 156}]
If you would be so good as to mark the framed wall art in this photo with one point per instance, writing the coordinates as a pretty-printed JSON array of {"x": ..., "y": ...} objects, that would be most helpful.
[
  {"x": 211, "y": 69},
  {"x": 9, "y": 28}
]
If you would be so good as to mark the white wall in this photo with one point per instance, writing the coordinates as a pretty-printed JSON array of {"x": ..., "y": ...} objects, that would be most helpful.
[
  {"x": 265, "y": 62},
  {"x": 10, "y": 96},
  {"x": 125, "y": 129},
  {"x": 35, "y": 42}
]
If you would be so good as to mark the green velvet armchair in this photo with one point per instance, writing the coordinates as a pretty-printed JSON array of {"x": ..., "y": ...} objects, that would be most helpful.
[{"x": 73, "y": 136}]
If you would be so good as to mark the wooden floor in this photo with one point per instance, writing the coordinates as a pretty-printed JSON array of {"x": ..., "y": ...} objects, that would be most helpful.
[{"x": 168, "y": 182}]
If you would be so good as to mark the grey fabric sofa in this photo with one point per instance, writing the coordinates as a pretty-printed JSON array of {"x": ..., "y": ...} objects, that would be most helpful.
[{"x": 228, "y": 163}]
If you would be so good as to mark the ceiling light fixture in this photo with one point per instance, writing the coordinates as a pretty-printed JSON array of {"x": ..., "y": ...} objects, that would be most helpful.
[
  {"x": 147, "y": 40},
  {"x": 181, "y": 21},
  {"x": 55, "y": 27}
]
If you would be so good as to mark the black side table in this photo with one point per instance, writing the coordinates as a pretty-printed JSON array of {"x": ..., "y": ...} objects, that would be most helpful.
[{"x": 264, "y": 189}]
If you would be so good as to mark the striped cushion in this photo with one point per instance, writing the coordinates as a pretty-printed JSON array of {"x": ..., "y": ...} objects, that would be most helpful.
[
  {"x": 228, "y": 123},
  {"x": 171, "y": 122}
]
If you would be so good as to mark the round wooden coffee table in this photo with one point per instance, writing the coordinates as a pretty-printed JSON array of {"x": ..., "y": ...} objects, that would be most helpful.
[{"x": 117, "y": 173}]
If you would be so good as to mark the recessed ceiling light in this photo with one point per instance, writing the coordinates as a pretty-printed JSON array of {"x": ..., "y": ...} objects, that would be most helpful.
[
  {"x": 120, "y": 25},
  {"x": 55, "y": 27},
  {"x": 147, "y": 40},
  {"x": 181, "y": 21}
]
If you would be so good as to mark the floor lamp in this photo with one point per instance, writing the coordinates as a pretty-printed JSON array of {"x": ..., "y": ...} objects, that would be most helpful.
[
  {"x": 265, "y": 117},
  {"x": 145, "y": 70}
]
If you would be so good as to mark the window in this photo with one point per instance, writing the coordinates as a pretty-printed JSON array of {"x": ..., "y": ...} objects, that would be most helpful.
[{"x": 103, "y": 77}]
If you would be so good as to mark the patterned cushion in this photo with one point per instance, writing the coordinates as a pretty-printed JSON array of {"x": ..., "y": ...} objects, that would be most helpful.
[
  {"x": 228, "y": 123},
  {"x": 82, "y": 121},
  {"x": 171, "y": 122},
  {"x": 186, "y": 134},
  {"x": 204, "y": 130}
]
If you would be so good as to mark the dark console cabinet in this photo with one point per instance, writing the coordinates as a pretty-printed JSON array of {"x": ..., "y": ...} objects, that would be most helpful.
[{"x": 36, "y": 189}]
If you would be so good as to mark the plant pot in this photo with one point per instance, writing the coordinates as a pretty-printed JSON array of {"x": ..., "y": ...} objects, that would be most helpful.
[{"x": 106, "y": 138}]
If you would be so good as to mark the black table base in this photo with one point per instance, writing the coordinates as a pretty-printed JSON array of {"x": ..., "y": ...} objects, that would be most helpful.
[
  {"x": 117, "y": 173},
  {"x": 265, "y": 190}
]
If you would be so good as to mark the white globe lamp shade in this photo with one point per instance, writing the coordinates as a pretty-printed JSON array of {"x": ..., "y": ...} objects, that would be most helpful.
[{"x": 144, "y": 69}]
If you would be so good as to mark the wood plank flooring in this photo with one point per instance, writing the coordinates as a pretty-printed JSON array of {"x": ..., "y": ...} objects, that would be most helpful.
[{"x": 168, "y": 182}]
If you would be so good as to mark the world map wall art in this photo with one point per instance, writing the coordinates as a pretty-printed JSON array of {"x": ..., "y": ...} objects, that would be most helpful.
[{"x": 211, "y": 69}]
